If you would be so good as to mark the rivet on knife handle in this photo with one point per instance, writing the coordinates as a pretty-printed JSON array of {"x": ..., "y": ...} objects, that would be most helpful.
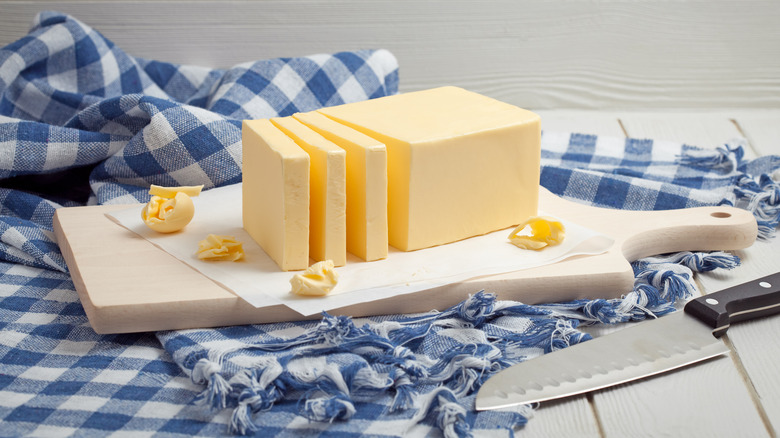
[{"x": 749, "y": 300}]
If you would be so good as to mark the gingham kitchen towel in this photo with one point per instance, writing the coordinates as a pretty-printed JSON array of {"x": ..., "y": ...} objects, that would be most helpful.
[{"x": 83, "y": 122}]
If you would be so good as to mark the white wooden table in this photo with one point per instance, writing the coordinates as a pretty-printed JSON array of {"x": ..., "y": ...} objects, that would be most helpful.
[
  {"x": 594, "y": 55},
  {"x": 733, "y": 396}
]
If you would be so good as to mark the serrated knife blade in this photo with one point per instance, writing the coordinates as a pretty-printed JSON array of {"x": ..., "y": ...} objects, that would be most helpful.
[{"x": 648, "y": 348}]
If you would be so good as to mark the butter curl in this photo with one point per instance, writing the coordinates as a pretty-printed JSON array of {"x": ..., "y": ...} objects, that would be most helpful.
[
  {"x": 537, "y": 233},
  {"x": 317, "y": 280},
  {"x": 166, "y": 215},
  {"x": 216, "y": 247}
]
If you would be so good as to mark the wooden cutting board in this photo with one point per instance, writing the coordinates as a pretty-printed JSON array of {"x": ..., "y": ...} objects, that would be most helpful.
[{"x": 126, "y": 284}]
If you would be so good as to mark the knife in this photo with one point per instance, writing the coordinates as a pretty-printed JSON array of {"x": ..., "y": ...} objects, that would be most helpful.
[{"x": 647, "y": 348}]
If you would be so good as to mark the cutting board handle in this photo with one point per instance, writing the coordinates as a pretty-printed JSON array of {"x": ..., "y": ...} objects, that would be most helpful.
[{"x": 719, "y": 228}]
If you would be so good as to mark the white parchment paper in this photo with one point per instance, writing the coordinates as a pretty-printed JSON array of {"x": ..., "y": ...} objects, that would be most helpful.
[{"x": 258, "y": 280}]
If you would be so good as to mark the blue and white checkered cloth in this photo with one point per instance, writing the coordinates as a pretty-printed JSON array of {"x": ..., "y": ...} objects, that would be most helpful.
[{"x": 82, "y": 122}]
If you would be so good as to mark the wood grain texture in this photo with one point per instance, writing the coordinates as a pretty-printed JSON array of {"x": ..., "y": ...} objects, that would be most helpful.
[
  {"x": 758, "y": 349},
  {"x": 667, "y": 405},
  {"x": 546, "y": 421},
  {"x": 702, "y": 129},
  {"x": 719, "y": 406},
  {"x": 554, "y": 54},
  {"x": 762, "y": 130},
  {"x": 749, "y": 340},
  {"x": 585, "y": 122},
  {"x": 756, "y": 343}
]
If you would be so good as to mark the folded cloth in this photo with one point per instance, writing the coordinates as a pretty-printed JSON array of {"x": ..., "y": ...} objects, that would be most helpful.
[{"x": 83, "y": 122}]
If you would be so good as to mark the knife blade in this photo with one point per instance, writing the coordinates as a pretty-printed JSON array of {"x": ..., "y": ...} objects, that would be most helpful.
[{"x": 648, "y": 348}]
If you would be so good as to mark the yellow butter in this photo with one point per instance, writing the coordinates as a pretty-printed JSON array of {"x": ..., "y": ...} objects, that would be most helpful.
[
  {"x": 366, "y": 185},
  {"x": 166, "y": 215},
  {"x": 537, "y": 233},
  {"x": 317, "y": 280},
  {"x": 459, "y": 164},
  {"x": 275, "y": 194},
  {"x": 170, "y": 192},
  {"x": 215, "y": 247},
  {"x": 328, "y": 202}
]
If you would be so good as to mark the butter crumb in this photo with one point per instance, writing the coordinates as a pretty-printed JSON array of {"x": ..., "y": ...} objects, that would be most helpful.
[
  {"x": 537, "y": 233},
  {"x": 317, "y": 280}
]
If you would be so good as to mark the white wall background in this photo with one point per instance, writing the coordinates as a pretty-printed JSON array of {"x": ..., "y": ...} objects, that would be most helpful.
[{"x": 596, "y": 54}]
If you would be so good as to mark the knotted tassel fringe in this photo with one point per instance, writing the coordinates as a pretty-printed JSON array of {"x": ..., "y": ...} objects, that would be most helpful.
[
  {"x": 722, "y": 159},
  {"x": 217, "y": 388},
  {"x": 328, "y": 409},
  {"x": 258, "y": 391},
  {"x": 404, "y": 392},
  {"x": 762, "y": 198},
  {"x": 659, "y": 283},
  {"x": 759, "y": 194},
  {"x": 449, "y": 415},
  {"x": 335, "y": 364}
]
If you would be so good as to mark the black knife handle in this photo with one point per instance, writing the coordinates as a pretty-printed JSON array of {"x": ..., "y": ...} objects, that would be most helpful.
[{"x": 746, "y": 301}]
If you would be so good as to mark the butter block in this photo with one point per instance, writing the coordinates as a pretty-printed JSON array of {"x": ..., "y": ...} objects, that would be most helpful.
[
  {"x": 366, "y": 185},
  {"x": 275, "y": 195},
  {"x": 327, "y": 209},
  {"x": 459, "y": 164}
]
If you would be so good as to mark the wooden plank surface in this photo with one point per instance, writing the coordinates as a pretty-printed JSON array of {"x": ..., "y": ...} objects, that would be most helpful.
[
  {"x": 554, "y": 54},
  {"x": 762, "y": 130},
  {"x": 704, "y": 400},
  {"x": 730, "y": 396},
  {"x": 756, "y": 344},
  {"x": 715, "y": 392}
]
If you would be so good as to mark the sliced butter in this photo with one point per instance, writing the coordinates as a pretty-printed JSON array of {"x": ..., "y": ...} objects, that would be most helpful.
[
  {"x": 366, "y": 185},
  {"x": 170, "y": 192},
  {"x": 327, "y": 223},
  {"x": 459, "y": 164},
  {"x": 275, "y": 194}
]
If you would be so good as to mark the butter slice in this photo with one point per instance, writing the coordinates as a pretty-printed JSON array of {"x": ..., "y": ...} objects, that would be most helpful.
[
  {"x": 327, "y": 210},
  {"x": 459, "y": 164},
  {"x": 170, "y": 192},
  {"x": 275, "y": 194},
  {"x": 366, "y": 185}
]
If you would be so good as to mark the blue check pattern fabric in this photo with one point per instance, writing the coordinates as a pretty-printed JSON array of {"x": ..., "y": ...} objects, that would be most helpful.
[{"x": 82, "y": 123}]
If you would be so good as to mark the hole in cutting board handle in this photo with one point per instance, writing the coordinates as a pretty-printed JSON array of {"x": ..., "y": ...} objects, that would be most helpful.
[{"x": 720, "y": 214}]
